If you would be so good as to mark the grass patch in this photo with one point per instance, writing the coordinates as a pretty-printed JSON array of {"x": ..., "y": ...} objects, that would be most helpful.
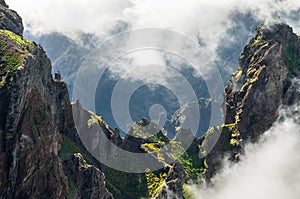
[
  {"x": 293, "y": 63},
  {"x": 187, "y": 194},
  {"x": 68, "y": 147},
  {"x": 125, "y": 185},
  {"x": 72, "y": 188},
  {"x": 155, "y": 183},
  {"x": 13, "y": 50}
]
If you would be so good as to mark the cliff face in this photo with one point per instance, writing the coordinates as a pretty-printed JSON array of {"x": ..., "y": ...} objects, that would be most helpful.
[
  {"x": 154, "y": 184},
  {"x": 265, "y": 80},
  {"x": 35, "y": 112},
  {"x": 9, "y": 19}
]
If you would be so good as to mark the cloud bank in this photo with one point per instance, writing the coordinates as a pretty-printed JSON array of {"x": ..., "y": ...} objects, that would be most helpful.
[
  {"x": 185, "y": 16},
  {"x": 270, "y": 168},
  {"x": 202, "y": 19}
]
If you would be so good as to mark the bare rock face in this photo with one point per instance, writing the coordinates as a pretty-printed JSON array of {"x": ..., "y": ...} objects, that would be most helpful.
[
  {"x": 267, "y": 77},
  {"x": 10, "y": 20},
  {"x": 170, "y": 179},
  {"x": 89, "y": 181},
  {"x": 173, "y": 188},
  {"x": 35, "y": 112},
  {"x": 2, "y": 3}
]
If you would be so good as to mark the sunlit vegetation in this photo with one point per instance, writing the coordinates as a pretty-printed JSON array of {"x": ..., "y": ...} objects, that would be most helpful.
[
  {"x": 13, "y": 50},
  {"x": 155, "y": 182}
]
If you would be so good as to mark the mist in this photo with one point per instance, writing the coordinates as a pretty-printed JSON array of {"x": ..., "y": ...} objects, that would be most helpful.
[
  {"x": 270, "y": 168},
  {"x": 203, "y": 23},
  {"x": 207, "y": 19},
  {"x": 203, "y": 20}
]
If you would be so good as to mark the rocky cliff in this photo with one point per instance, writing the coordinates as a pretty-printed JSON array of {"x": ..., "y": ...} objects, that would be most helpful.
[
  {"x": 35, "y": 120},
  {"x": 266, "y": 79}
]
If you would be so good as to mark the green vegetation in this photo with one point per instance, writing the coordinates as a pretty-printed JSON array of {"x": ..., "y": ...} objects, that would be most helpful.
[
  {"x": 193, "y": 165},
  {"x": 72, "y": 188},
  {"x": 154, "y": 148},
  {"x": 125, "y": 185},
  {"x": 155, "y": 182},
  {"x": 68, "y": 147},
  {"x": 95, "y": 119},
  {"x": 19, "y": 40},
  {"x": 187, "y": 194},
  {"x": 257, "y": 39},
  {"x": 13, "y": 50},
  {"x": 293, "y": 63}
]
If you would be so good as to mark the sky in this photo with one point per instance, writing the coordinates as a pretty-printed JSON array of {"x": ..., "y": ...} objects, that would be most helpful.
[
  {"x": 195, "y": 20},
  {"x": 185, "y": 16},
  {"x": 205, "y": 19},
  {"x": 186, "y": 20}
]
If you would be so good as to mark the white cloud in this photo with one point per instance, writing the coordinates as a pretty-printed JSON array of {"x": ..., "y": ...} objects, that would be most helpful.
[
  {"x": 206, "y": 19},
  {"x": 270, "y": 169},
  {"x": 186, "y": 16},
  {"x": 68, "y": 15}
]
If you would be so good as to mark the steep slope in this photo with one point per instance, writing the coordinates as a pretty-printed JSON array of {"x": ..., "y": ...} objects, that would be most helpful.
[
  {"x": 34, "y": 112},
  {"x": 10, "y": 20},
  {"x": 265, "y": 80},
  {"x": 130, "y": 185}
]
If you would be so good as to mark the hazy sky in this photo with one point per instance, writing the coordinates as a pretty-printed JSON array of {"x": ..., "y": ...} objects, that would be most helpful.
[
  {"x": 205, "y": 19},
  {"x": 186, "y": 16}
]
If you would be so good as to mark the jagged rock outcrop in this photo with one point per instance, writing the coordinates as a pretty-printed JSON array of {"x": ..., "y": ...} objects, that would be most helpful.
[
  {"x": 89, "y": 180},
  {"x": 10, "y": 20},
  {"x": 2, "y": 3},
  {"x": 173, "y": 188},
  {"x": 35, "y": 112},
  {"x": 91, "y": 126},
  {"x": 159, "y": 184},
  {"x": 267, "y": 78}
]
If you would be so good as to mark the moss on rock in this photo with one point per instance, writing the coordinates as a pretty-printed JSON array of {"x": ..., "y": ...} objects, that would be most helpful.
[{"x": 13, "y": 51}]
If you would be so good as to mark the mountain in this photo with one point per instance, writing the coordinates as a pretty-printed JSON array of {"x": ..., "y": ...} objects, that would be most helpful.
[
  {"x": 68, "y": 55},
  {"x": 44, "y": 153},
  {"x": 266, "y": 79},
  {"x": 36, "y": 124}
]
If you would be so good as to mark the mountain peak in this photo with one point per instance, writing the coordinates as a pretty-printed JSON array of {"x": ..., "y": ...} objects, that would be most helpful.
[
  {"x": 10, "y": 20},
  {"x": 263, "y": 82},
  {"x": 281, "y": 33},
  {"x": 2, "y": 2}
]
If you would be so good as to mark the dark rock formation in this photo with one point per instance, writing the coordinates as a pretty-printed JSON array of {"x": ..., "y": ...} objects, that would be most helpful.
[
  {"x": 265, "y": 80},
  {"x": 173, "y": 188},
  {"x": 35, "y": 112},
  {"x": 57, "y": 76},
  {"x": 89, "y": 180},
  {"x": 10, "y": 20},
  {"x": 2, "y": 3}
]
